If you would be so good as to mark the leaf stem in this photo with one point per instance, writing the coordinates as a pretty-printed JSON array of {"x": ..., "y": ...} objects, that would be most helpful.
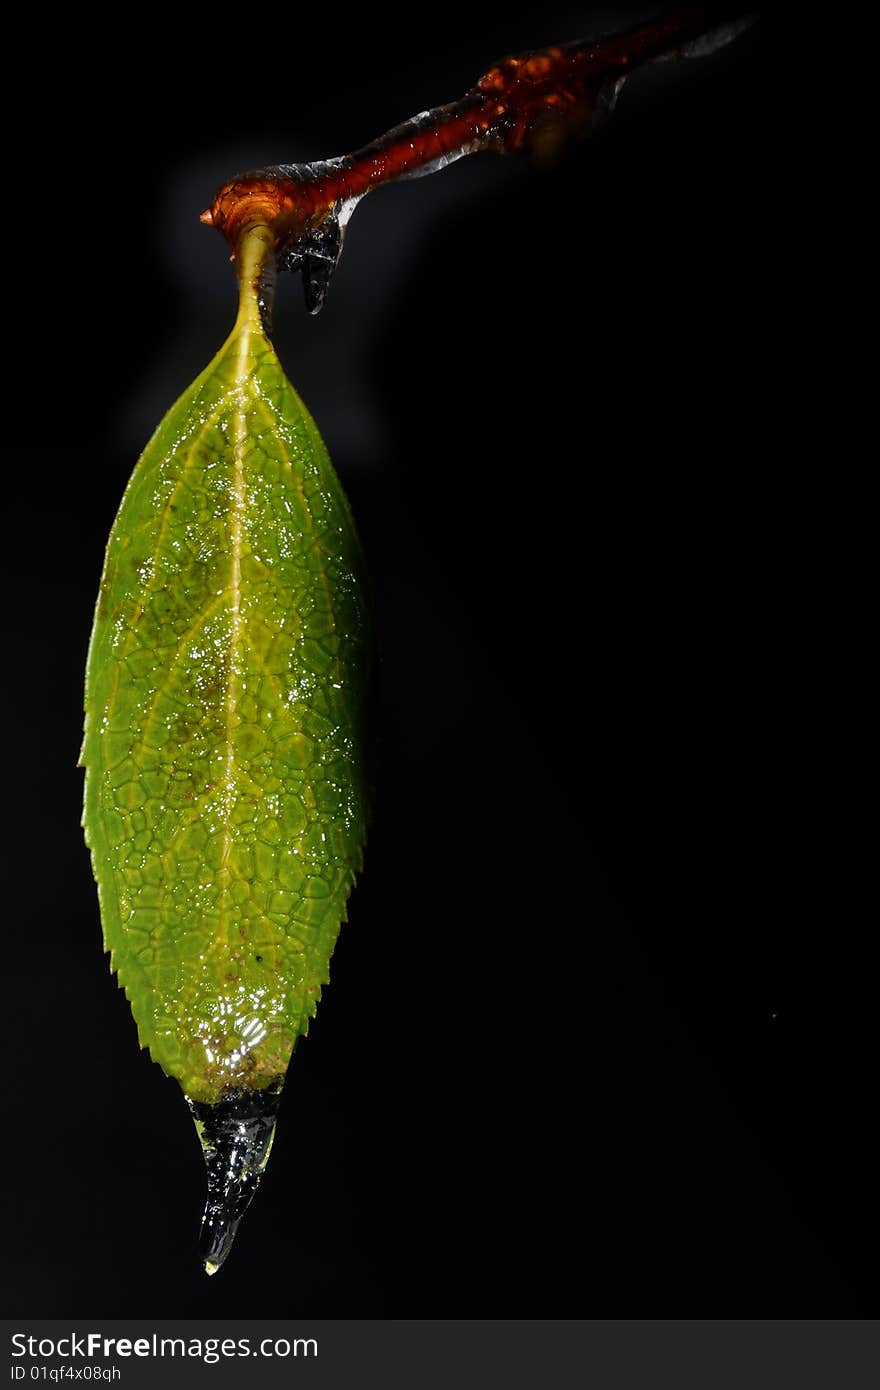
[{"x": 255, "y": 262}]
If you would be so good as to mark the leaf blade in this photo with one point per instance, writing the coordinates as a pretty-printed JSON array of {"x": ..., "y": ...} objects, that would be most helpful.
[{"x": 225, "y": 799}]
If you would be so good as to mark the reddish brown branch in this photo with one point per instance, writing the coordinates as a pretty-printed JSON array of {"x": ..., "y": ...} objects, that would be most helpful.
[{"x": 532, "y": 101}]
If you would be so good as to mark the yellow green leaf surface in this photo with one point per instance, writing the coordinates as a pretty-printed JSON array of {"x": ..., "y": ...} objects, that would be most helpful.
[{"x": 225, "y": 792}]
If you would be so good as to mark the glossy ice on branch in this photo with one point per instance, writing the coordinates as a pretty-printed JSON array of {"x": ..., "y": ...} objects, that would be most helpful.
[
  {"x": 316, "y": 253},
  {"x": 534, "y": 101}
]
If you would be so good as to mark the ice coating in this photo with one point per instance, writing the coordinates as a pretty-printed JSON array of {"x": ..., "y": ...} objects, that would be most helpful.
[
  {"x": 236, "y": 1136},
  {"x": 532, "y": 101}
]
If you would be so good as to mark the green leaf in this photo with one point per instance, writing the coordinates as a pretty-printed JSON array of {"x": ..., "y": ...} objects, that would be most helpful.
[{"x": 225, "y": 795}]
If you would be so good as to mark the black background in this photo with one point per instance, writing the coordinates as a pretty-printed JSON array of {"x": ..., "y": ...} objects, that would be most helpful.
[{"x": 581, "y": 1055}]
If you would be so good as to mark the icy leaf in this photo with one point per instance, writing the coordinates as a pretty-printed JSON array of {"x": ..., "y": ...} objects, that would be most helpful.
[{"x": 225, "y": 786}]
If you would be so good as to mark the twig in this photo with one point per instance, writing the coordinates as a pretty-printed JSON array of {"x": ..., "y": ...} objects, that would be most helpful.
[{"x": 532, "y": 102}]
